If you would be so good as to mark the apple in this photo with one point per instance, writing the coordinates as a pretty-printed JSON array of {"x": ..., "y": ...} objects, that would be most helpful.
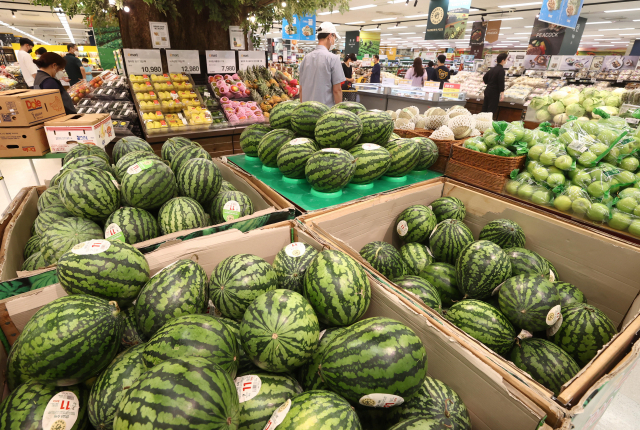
[
  {"x": 548, "y": 158},
  {"x": 562, "y": 203},
  {"x": 634, "y": 227},
  {"x": 580, "y": 206},
  {"x": 620, "y": 221},
  {"x": 630, "y": 163},
  {"x": 563, "y": 162},
  {"x": 542, "y": 197},
  {"x": 540, "y": 173},
  {"x": 627, "y": 204},
  {"x": 536, "y": 151},
  {"x": 598, "y": 212},
  {"x": 625, "y": 177},
  {"x": 630, "y": 192},
  {"x": 555, "y": 179},
  {"x": 587, "y": 158},
  {"x": 526, "y": 191},
  {"x": 512, "y": 187},
  {"x": 582, "y": 179}
]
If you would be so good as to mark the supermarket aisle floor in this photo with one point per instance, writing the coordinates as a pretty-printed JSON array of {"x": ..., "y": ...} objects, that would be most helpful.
[{"x": 17, "y": 174}]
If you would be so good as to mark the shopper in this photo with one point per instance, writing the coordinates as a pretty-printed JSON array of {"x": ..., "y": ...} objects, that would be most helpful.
[
  {"x": 50, "y": 64},
  {"x": 430, "y": 71},
  {"x": 320, "y": 71},
  {"x": 74, "y": 68},
  {"x": 442, "y": 73},
  {"x": 494, "y": 92},
  {"x": 347, "y": 68},
  {"x": 27, "y": 67},
  {"x": 60, "y": 75},
  {"x": 375, "y": 71},
  {"x": 416, "y": 73},
  {"x": 87, "y": 67}
]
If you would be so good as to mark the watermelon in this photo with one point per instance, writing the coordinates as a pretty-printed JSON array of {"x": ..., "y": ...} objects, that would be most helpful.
[
  {"x": 428, "y": 153},
  {"x": 448, "y": 208},
  {"x": 405, "y": 156},
  {"x": 82, "y": 149},
  {"x": 180, "y": 213},
  {"x": 569, "y": 294},
  {"x": 377, "y": 128},
  {"x": 89, "y": 161},
  {"x": 185, "y": 154},
  {"x": 480, "y": 268},
  {"x": 237, "y": 281},
  {"x": 49, "y": 197},
  {"x": 279, "y": 331},
  {"x": 525, "y": 261},
  {"x": 353, "y": 107},
  {"x": 92, "y": 330},
  {"x": 319, "y": 410},
  {"x": 309, "y": 375},
  {"x": 585, "y": 329},
  {"x": 503, "y": 232},
  {"x": 148, "y": 184},
  {"x": 14, "y": 374},
  {"x": 188, "y": 393},
  {"x": 178, "y": 289},
  {"x": 136, "y": 225},
  {"x": 173, "y": 144},
  {"x": 129, "y": 144},
  {"x": 194, "y": 335},
  {"x": 372, "y": 161},
  {"x": 527, "y": 299},
  {"x": 57, "y": 178},
  {"x": 230, "y": 206},
  {"x": 293, "y": 156},
  {"x": 291, "y": 263},
  {"x": 256, "y": 407},
  {"x": 416, "y": 257},
  {"x": 34, "y": 262},
  {"x": 253, "y": 134},
  {"x": 426, "y": 292},
  {"x": 245, "y": 364},
  {"x": 330, "y": 169},
  {"x": 130, "y": 335},
  {"x": 483, "y": 322},
  {"x": 338, "y": 288},
  {"x": 130, "y": 159},
  {"x": 384, "y": 258},
  {"x": 110, "y": 386},
  {"x": 117, "y": 271},
  {"x": 50, "y": 215},
  {"x": 32, "y": 246},
  {"x": 64, "y": 234},
  {"x": 338, "y": 128},
  {"x": 305, "y": 116},
  {"x": 89, "y": 193},
  {"x": 375, "y": 356},
  {"x": 544, "y": 362},
  {"x": 280, "y": 116},
  {"x": 447, "y": 240},
  {"x": 376, "y": 418},
  {"x": 553, "y": 276},
  {"x": 419, "y": 423},
  {"x": 415, "y": 224},
  {"x": 270, "y": 145},
  {"x": 438, "y": 402},
  {"x": 227, "y": 186},
  {"x": 199, "y": 179}
]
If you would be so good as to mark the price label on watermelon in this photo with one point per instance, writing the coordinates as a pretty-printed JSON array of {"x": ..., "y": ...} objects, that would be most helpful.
[
  {"x": 248, "y": 387},
  {"x": 295, "y": 249},
  {"x": 61, "y": 412},
  {"x": 554, "y": 315},
  {"x": 402, "y": 228},
  {"x": 278, "y": 416},
  {"x": 555, "y": 327},
  {"x": 298, "y": 141},
  {"x": 114, "y": 233},
  {"x": 321, "y": 334},
  {"x": 91, "y": 247},
  {"x": 333, "y": 150},
  {"x": 524, "y": 335},
  {"x": 370, "y": 146},
  {"x": 378, "y": 400},
  {"x": 497, "y": 289},
  {"x": 552, "y": 277},
  {"x": 231, "y": 210},
  {"x": 139, "y": 167}
]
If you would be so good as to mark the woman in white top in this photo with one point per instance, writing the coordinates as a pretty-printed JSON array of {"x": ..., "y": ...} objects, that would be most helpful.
[{"x": 416, "y": 73}]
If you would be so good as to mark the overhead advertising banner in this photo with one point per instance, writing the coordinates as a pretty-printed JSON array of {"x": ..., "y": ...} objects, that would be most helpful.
[
  {"x": 457, "y": 17},
  {"x": 572, "y": 37},
  {"x": 561, "y": 12},
  {"x": 546, "y": 38},
  {"x": 476, "y": 40},
  {"x": 299, "y": 28},
  {"x": 493, "y": 31},
  {"x": 437, "y": 19},
  {"x": 352, "y": 42},
  {"x": 290, "y": 29},
  {"x": 388, "y": 52},
  {"x": 369, "y": 43}
]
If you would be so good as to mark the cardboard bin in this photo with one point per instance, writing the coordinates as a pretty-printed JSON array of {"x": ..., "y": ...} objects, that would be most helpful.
[
  {"x": 23, "y": 141},
  {"x": 66, "y": 132},
  {"x": 24, "y": 108}
]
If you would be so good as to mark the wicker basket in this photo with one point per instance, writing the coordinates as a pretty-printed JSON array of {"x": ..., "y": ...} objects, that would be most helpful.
[
  {"x": 406, "y": 134},
  {"x": 440, "y": 165},
  {"x": 423, "y": 132},
  {"x": 477, "y": 177},
  {"x": 495, "y": 164}
]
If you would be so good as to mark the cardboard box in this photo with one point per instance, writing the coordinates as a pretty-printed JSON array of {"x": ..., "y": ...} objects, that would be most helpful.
[
  {"x": 23, "y": 141},
  {"x": 601, "y": 266},
  {"x": 24, "y": 108},
  {"x": 493, "y": 404},
  {"x": 66, "y": 132}
]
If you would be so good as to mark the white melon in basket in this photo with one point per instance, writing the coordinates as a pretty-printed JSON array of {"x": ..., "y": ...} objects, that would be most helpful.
[
  {"x": 442, "y": 133},
  {"x": 421, "y": 122},
  {"x": 404, "y": 124},
  {"x": 458, "y": 112},
  {"x": 475, "y": 133},
  {"x": 435, "y": 111},
  {"x": 461, "y": 126},
  {"x": 456, "y": 107},
  {"x": 414, "y": 110},
  {"x": 406, "y": 113},
  {"x": 393, "y": 114},
  {"x": 434, "y": 122}
]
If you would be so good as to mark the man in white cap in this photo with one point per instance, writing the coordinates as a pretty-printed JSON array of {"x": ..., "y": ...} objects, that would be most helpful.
[{"x": 321, "y": 71}]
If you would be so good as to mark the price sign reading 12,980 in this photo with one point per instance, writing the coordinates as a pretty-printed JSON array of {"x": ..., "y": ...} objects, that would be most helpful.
[
  {"x": 143, "y": 61},
  {"x": 182, "y": 61},
  {"x": 221, "y": 62}
]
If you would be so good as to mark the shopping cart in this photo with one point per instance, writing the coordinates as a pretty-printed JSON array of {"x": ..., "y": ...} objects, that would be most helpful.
[{"x": 350, "y": 95}]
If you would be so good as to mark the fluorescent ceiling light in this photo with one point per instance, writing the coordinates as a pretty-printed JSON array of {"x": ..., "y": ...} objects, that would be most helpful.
[
  {"x": 474, "y": 10},
  {"x": 355, "y": 22},
  {"x": 24, "y": 32},
  {"x": 396, "y": 27},
  {"x": 417, "y": 16},
  {"x": 386, "y": 34},
  {"x": 521, "y": 33},
  {"x": 620, "y": 43},
  {"x": 507, "y": 19},
  {"x": 630, "y": 34},
  {"x": 616, "y": 29},
  {"x": 605, "y": 22},
  {"x": 367, "y": 6},
  {"x": 528, "y": 26},
  {"x": 520, "y": 4},
  {"x": 418, "y": 37},
  {"x": 415, "y": 33},
  {"x": 328, "y": 13},
  {"x": 421, "y": 25},
  {"x": 383, "y": 19},
  {"x": 621, "y": 10},
  {"x": 372, "y": 29},
  {"x": 600, "y": 40},
  {"x": 607, "y": 45}
]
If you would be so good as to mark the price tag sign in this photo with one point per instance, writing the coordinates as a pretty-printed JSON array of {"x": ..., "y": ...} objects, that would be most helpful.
[
  {"x": 141, "y": 61},
  {"x": 251, "y": 58},
  {"x": 182, "y": 61},
  {"x": 451, "y": 90},
  {"x": 388, "y": 81},
  {"x": 221, "y": 62}
]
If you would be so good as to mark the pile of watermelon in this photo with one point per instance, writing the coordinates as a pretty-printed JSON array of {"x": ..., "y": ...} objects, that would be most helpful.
[
  {"x": 138, "y": 198},
  {"x": 253, "y": 343},
  {"x": 508, "y": 297},
  {"x": 331, "y": 148}
]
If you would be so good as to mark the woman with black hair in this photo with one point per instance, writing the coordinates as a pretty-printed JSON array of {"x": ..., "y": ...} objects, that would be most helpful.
[
  {"x": 49, "y": 64},
  {"x": 347, "y": 68},
  {"x": 416, "y": 73}
]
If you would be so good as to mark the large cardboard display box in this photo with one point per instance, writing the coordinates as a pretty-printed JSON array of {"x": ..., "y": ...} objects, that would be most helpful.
[
  {"x": 24, "y": 108},
  {"x": 604, "y": 268},
  {"x": 493, "y": 403}
]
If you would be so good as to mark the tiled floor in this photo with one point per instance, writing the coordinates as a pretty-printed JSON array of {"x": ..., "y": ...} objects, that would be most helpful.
[{"x": 18, "y": 174}]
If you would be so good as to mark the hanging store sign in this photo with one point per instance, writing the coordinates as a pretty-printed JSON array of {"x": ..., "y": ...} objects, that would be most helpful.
[
  {"x": 457, "y": 17},
  {"x": 561, "y": 12},
  {"x": 236, "y": 38},
  {"x": 160, "y": 34},
  {"x": 437, "y": 19},
  {"x": 493, "y": 31}
]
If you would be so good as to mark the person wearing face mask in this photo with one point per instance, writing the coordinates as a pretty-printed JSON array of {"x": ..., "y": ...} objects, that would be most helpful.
[
  {"x": 50, "y": 64},
  {"x": 321, "y": 72},
  {"x": 60, "y": 75},
  {"x": 27, "y": 67},
  {"x": 74, "y": 68}
]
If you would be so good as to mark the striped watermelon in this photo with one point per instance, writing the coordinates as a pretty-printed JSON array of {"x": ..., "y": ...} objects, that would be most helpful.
[
  {"x": 308, "y": 374},
  {"x": 199, "y": 179},
  {"x": 49, "y": 197},
  {"x": 428, "y": 153},
  {"x": 415, "y": 224},
  {"x": 270, "y": 145},
  {"x": 116, "y": 273},
  {"x": 173, "y": 144},
  {"x": 485, "y": 323},
  {"x": 377, "y": 128},
  {"x": 354, "y": 107},
  {"x": 525, "y": 261},
  {"x": 447, "y": 240},
  {"x": 291, "y": 263},
  {"x": 82, "y": 149},
  {"x": 372, "y": 161},
  {"x": 253, "y": 134},
  {"x": 438, "y": 402},
  {"x": 421, "y": 288},
  {"x": 394, "y": 136},
  {"x": 129, "y": 144},
  {"x": 34, "y": 262},
  {"x": 130, "y": 159},
  {"x": 130, "y": 335},
  {"x": 338, "y": 288},
  {"x": 178, "y": 289},
  {"x": 230, "y": 206},
  {"x": 136, "y": 225},
  {"x": 148, "y": 184},
  {"x": 32, "y": 246},
  {"x": 375, "y": 355},
  {"x": 553, "y": 276},
  {"x": 14, "y": 374},
  {"x": 527, "y": 299},
  {"x": 227, "y": 186},
  {"x": 257, "y": 407},
  {"x": 405, "y": 156},
  {"x": 237, "y": 281},
  {"x": 443, "y": 277},
  {"x": 503, "y": 232},
  {"x": 202, "y": 396},
  {"x": 89, "y": 193},
  {"x": 194, "y": 336},
  {"x": 245, "y": 365},
  {"x": 111, "y": 384},
  {"x": 338, "y": 128},
  {"x": 585, "y": 329},
  {"x": 320, "y": 410},
  {"x": 305, "y": 116},
  {"x": 569, "y": 294},
  {"x": 92, "y": 330},
  {"x": 448, "y": 208},
  {"x": 293, "y": 156},
  {"x": 50, "y": 215},
  {"x": 376, "y": 418},
  {"x": 185, "y": 154},
  {"x": 384, "y": 258},
  {"x": 180, "y": 213},
  {"x": 280, "y": 115},
  {"x": 330, "y": 169},
  {"x": 89, "y": 161},
  {"x": 419, "y": 423},
  {"x": 62, "y": 235},
  {"x": 545, "y": 362},
  {"x": 57, "y": 178},
  {"x": 416, "y": 257},
  {"x": 279, "y": 330},
  {"x": 480, "y": 268}
]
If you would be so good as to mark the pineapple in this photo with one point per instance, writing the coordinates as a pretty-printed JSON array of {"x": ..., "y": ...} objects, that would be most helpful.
[
  {"x": 263, "y": 89},
  {"x": 256, "y": 96}
]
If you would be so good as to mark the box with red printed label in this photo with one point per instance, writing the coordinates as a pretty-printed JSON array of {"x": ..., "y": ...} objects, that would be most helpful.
[
  {"x": 66, "y": 132},
  {"x": 24, "y": 108}
]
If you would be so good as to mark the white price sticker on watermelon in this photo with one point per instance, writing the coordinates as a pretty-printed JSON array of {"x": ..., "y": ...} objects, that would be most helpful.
[
  {"x": 402, "y": 228},
  {"x": 114, "y": 232},
  {"x": 61, "y": 412},
  {"x": 332, "y": 150},
  {"x": 379, "y": 400},
  {"x": 370, "y": 146},
  {"x": 248, "y": 387},
  {"x": 139, "y": 167},
  {"x": 298, "y": 141},
  {"x": 231, "y": 210},
  {"x": 91, "y": 247},
  {"x": 295, "y": 249},
  {"x": 554, "y": 315},
  {"x": 278, "y": 416}
]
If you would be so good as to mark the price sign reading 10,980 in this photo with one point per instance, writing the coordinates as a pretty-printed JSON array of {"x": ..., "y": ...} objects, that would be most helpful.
[
  {"x": 221, "y": 62},
  {"x": 141, "y": 61}
]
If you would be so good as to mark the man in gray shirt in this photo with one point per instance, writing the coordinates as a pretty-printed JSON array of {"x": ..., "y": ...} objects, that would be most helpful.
[{"x": 321, "y": 71}]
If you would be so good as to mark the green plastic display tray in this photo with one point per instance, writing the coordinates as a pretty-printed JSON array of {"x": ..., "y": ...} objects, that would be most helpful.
[{"x": 302, "y": 194}]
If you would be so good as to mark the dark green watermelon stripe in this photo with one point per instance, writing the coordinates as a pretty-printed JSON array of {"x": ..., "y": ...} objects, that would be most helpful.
[{"x": 89, "y": 193}]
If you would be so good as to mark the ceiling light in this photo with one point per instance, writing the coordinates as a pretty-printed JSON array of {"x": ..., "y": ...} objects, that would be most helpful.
[
  {"x": 600, "y": 40},
  {"x": 521, "y": 33},
  {"x": 367, "y": 6},
  {"x": 607, "y": 45},
  {"x": 621, "y": 10},
  {"x": 616, "y": 29},
  {"x": 126, "y": 9},
  {"x": 328, "y": 13},
  {"x": 421, "y": 25},
  {"x": 417, "y": 16},
  {"x": 604, "y": 22},
  {"x": 355, "y": 22},
  {"x": 507, "y": 19},
  {"x": 396, "y": 27},
  {"x": 386, "y": 34},
  {"x": 371, "y": 29},
  {"x": 407, "y": 33},
  {"x": 474, "y": 10},
  {"x": 528, "y": 26},
  {"x": 13, "y": 13},
  {"x": 383, "y": 19},
  {"x": 419, "y": 37},
  {"x": 630, "y": 34}
]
